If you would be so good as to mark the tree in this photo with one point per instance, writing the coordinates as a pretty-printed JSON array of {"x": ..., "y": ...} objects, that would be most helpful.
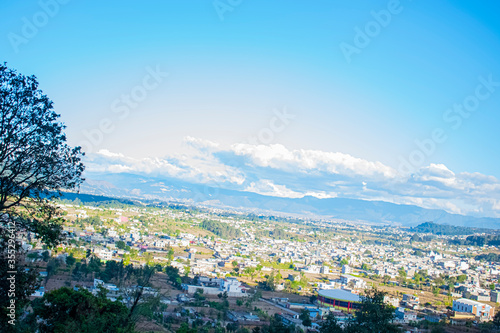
[
  {"x": 148, "y": 257},
  {"x": 374, "y": 315},
  {"x": 67, "y": 310},
  {"x": 365, "y": 267},
  {"x": 277, "y": 326},
  {"x": 45, "y": 256},
  {"x": 52, "y": 267},
  {"x": 496, "y": 319},
  {"x": 35, "y": 165},
  {"x": 402, "y": 275},
  {"x": 305, "y": 316},
  {"x": 198, "y": 295},
  {"x": 70, "y": 260},
  {"x": 270, "y": 283},
  {"x": 330, "y": 325},
  {"x": 438, "y": 329},
  {"x": 121, "y": 245},
  {"x": 173, "y": 276}
]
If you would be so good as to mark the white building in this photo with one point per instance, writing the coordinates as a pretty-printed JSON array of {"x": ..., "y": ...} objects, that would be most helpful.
[
  {"x": 231, "y": 286},
  {"x": 483, "y": 311},
  {"x": 346, "y": 269},
  {"x": 347, "y": 279}
]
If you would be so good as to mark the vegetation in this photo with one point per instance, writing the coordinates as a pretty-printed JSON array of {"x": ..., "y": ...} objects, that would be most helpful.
[
  {"x": 490, "y": 257},
  {"x": 221, "y": 229},
  {"x": 67, "y": 310},
  {"x": 477, "y": 240},
  {"x": 443, "y": 229},
  {"x": 373, "y": 316},
  {"x": 36, "y": 164}
]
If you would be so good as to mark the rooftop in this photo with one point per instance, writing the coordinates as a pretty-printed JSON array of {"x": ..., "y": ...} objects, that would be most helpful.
[
  {"x": 469, "y": 302},
  {"x": 340, "y": 295}
]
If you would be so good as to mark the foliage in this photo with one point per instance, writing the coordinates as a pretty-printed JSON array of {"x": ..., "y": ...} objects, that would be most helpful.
[
  {"x": 270, "y": 282},
  {"x": 490, "y": 257},
  {"x": 496, "y": 320},
  {"x": 443, "y": 229},
  {"x": 35, "y": 160},
  {"x": 67, "y": 310},
  {"x": 478, "y": 240},
  {"x": 277, "y": 326},
  {"x": 35, "y": 165},
  {"x": 330, "y": 325},
  {"x": 373, "y": 316},
  {"x": 223, "y": 230},
  {"x": 305, "y": 316},
  {"x": 173, "y": 276},
  {"x": 70, "y": 260}
]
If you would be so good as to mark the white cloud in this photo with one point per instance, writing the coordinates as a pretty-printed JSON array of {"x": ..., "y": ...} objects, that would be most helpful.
[
  {"x": 279, "y": 157},
  {"x": 267, "y": 187},
  {"x": 107, "y": 153},
  {"x": 275, "y": 170},
  {"x": 200, "y": 143},
  {"x": 196, "y": 165}
]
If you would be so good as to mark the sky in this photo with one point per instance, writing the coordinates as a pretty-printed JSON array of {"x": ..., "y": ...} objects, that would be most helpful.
[{"x": 378, "y": 100}]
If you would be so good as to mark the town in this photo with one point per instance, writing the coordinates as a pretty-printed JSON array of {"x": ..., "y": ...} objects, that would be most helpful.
[{"x": 219, "y": 268}]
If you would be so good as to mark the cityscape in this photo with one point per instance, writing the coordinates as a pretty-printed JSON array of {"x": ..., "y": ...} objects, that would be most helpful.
[{"x": 249, "y": 166}]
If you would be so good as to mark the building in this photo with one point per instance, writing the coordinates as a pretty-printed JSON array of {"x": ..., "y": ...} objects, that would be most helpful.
[
  {"x": 355, "y": 282},
  {"x": 108, "y": 286},
  {"x": 346, "y": 269},
  {"x": 240, "y": 316},
  {"x": 483, "y": 311},
  {"x": 495, "y": 296},
  {"x": 339, "y": 299},
  {"x": 231, "y": 286},
  {"x": 393, "y": 301},
  {"x": 104, "y": 254},
  {"x": 405, "y": 316}
]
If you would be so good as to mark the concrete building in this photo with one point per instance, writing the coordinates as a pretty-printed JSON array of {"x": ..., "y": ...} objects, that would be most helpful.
[
  {"x": 346, "y": 269},
  {"x": 483, "y": 311}
]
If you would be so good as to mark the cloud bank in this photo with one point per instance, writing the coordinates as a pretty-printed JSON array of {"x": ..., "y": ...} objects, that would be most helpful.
[{"x": 275, "y": 170}]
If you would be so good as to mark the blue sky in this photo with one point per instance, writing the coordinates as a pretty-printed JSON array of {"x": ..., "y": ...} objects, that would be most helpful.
[{"x": 233, "y": 65}]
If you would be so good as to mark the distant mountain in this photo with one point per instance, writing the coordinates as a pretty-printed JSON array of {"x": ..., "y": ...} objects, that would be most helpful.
[{"x": 123, "y": 185}]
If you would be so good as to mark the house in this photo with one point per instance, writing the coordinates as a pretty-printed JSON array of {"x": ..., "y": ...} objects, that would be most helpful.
[
  {"x": 242, "y": 316},
  {"x": 483, "y": 311},
  {"x": 108, "y": 286},
  {"x": 356, "y": 282},
  {"x": 231, "y": 286},
  {"x": 346, "y": 269},
  {"x": 405, "y": 316},
  {"x": 391, "y": 301},
  {"x": 104, "y": 254}
]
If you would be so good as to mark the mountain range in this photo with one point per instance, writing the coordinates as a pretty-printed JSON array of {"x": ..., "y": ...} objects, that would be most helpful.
[{"x": 133, "y": 186}]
